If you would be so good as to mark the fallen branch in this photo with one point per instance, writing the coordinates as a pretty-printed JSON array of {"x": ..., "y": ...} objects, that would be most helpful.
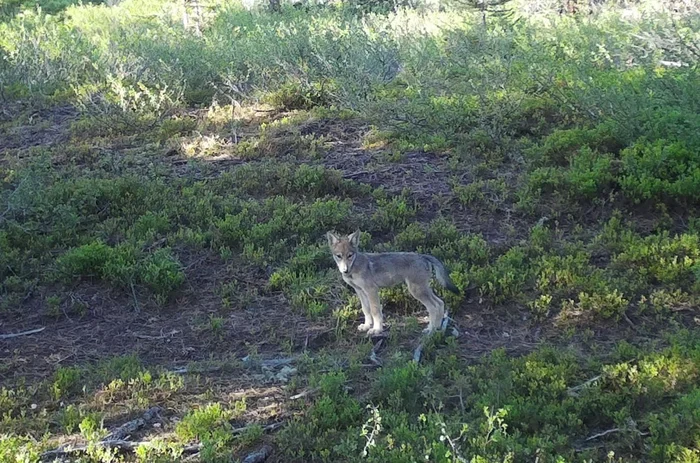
[
  {"x": 162, "y": 336},
  {"x": 189, "y": 370},
  {"x": 137, "y": 306},
  {"x": 271, "y": 363},
  {"x": 127, "y": 445},
  {"x": 373, "y": 356},
  {"x": 23, "y": 333},
  {"x": 602, "y": 434},
  {"x": 121, "y": 444},
  {"x": 631, "y": 427},
  {"x": 247, "y": 361},
  {"x": 303, "y": 394},
  {"x": 115, "y": 439},
  {"x": 357, "y": 174},
  {"x": 630, "y": 322},
  {"x": 267, "y": 428},
  {"x": 131, "y": 426},
  {"x": 573, "y": 391},
  {"x": 259, "y": 455}
]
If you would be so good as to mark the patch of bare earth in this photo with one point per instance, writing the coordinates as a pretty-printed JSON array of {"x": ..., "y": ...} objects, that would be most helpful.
[{"x": 42, "y": 127}]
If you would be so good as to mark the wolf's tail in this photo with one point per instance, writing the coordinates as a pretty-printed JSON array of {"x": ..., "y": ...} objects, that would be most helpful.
[{"x": 441, "y": 273}]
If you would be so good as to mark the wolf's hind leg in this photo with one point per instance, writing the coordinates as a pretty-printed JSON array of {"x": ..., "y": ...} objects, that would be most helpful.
[{"x": 436, "y": 307}]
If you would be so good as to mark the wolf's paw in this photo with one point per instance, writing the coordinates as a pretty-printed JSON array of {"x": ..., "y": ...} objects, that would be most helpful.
[
  {"x": 364, "y": 327},
  {"x": 375, "y": 331}
]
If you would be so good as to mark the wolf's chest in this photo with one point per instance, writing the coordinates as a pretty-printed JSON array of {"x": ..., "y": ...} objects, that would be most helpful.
[{"x": 353, "y": 281}]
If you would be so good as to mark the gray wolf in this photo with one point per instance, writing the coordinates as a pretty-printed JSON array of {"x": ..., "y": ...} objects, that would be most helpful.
[{"x": 368, "y": 272}]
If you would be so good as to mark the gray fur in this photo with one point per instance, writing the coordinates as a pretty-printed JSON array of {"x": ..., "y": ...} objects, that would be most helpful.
[{"x": 368, "y": 272}]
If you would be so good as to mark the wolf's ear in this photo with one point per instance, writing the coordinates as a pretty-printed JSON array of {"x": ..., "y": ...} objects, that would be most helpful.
[
  {"x": 355, "y": 238},
  {"x": 332, "y": 238}
]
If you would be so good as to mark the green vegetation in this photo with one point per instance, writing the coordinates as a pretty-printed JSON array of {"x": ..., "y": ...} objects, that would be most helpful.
[{"x": 167, "y": 177}]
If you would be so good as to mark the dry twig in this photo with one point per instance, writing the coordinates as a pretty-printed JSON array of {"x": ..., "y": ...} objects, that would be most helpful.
[
  {"x": 23, "y": 333},
  {"x": 131, "y": 426},
  {"x": 573, "y": 391},
  {"x": 259, "y": 455},
  {"x": 127, "y": 445}
]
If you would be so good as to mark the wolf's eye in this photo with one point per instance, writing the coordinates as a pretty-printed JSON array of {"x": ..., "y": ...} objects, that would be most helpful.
[
  {"x": 350, "y": 256},
  {"x": 338, "y": 256}
]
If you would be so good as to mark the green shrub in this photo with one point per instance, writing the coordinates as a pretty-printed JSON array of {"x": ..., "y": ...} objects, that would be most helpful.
[
  {"x": 205, "y": 423},
  {"x": 663, "y": 170},
  {"x": 173, "y": 127},
  {"x": 394, "y": 213},
  {"x": 674, "y": 433},
  {"x": 18, "y": 449},
  {"x": 124, "y": 266},
  {"x": 162, "y": 273},
  {"x": 71, "y": 416},
  {"x": 321, "y": 432},
  {"x": 150, "y": 225},
  {"x": 66, "y": 382},
  {"x": 560, "y": 147},
  {"x": 506, "y": 278},
  {"x": 590, "y": 173},
  {"x": 121, "y": 269},
  {"x": 85, "y": 261},
  {"x": 296, "y": 95},
  {"x": 608, "y": 305},
  {"x": 125, "y": 368},
  {"x": 401, "y": 387},
  {"x": 663, "y": 259}
]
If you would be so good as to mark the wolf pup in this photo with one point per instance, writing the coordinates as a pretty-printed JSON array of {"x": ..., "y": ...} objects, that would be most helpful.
[{"x": 366, "y": 273}]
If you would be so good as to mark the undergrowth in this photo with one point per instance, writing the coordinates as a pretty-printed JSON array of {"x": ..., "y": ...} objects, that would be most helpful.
[{"x": 145, "y": 162}]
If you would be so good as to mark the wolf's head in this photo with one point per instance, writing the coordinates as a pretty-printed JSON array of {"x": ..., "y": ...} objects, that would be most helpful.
[{"x": 344, "y": 249}]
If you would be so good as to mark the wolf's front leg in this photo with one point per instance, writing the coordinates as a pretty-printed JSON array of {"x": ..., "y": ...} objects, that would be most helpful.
[
  {"x": 364, "y": 300},
  {"x": 376, "y": 310}
]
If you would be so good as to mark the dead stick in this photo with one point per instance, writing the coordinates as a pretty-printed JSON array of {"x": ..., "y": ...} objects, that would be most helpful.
[
  {"x": 303, "y": 394},
  {"x": 268, "y": 428},
  {"x": 130, "y": 426},
  {"x": 124, "y": 445},
  {"x": 23, "y": 333},
  {"x": 195, "y": 370},
  {"x": 602, "y": 434},
  {"x": 259, "y": 455},
  {"x": 120, "y": 444},
  {"x": 270, "y": 363},
  {"x": 162, "y": 336},
  {"x": 373, "y": 356},
  {"x": 575, "y": 389}
]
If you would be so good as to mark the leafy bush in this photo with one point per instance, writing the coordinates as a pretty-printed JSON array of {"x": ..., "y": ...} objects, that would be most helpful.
[
  {"x": 661, "y": 170},
  {"x": 400, "y": 387},
  {"x": 295, "y": 95},
  {"x": 66, "y": 381},
  {"x": 87, "y": 260},
  {"x": 124, "y": 266},
  {"x": 162, "y": 273},
  {"x": 210, "y": 421},
  {"x": 663, "y": 259}
]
